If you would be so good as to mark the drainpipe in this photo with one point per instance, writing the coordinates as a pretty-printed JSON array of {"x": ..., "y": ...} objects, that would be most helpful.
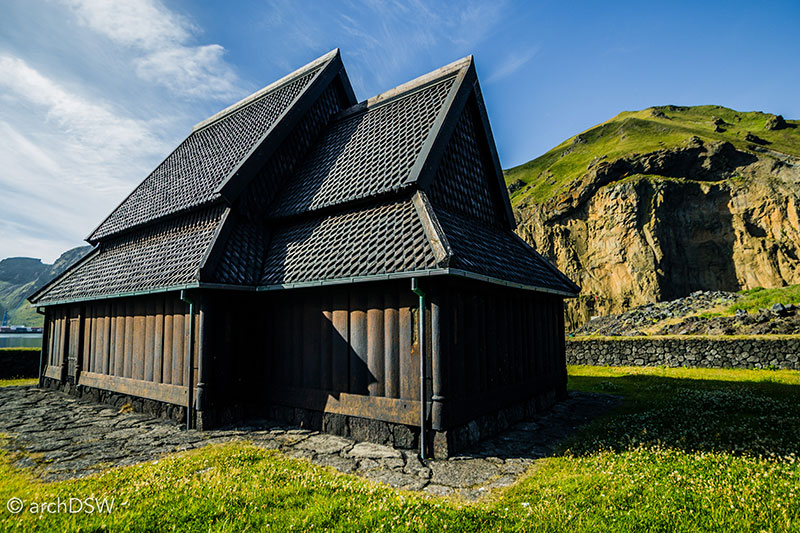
[
  {"x": 45, "y": 339},
  {"x": 191, "y": 353},
  {"x": 419, "y": 292}
]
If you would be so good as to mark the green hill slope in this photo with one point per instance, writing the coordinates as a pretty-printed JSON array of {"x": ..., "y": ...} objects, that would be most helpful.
[
  {"x": 640, "y": 132},
  {"x": 653, "y": 205},
  {"x": 21, "y": 276}
]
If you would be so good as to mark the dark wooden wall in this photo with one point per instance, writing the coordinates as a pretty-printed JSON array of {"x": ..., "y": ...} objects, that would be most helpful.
[
  {"x": 350, "y": 349},
  {"x": 499, "y": 346},
  {"x": 137, "y": 346},
  {"x": 354, "y": 349}
]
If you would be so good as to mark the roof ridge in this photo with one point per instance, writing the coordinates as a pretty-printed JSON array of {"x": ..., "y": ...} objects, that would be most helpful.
[
  {"x": 407, "y": 88},
  {"x": 305, "y": 69}
]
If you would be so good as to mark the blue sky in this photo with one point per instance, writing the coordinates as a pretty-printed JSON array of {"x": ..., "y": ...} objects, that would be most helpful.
[{"x": 94, "y": 94}]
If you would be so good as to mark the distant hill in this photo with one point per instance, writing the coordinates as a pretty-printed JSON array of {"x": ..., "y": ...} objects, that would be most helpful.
[
  {"x": 21, "y": 276},
  {"x": 655, "y": 204}
]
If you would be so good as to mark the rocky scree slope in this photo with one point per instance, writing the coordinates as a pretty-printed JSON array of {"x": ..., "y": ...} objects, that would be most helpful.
[
  {"x": 656, "y": 204},
  {"x": 695, "y": 315}
]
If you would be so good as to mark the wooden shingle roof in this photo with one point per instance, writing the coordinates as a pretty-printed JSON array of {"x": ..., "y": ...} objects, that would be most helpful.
[{"x": 406, "y": 183}]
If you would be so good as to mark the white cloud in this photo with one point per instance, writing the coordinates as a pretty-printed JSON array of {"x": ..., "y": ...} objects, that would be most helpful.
[
  {"x": 198, "y": 71},
  {"x": 162, "y": 41},
  {"x": 514, "y": 61},
  {"x": 64, "y": 159}
]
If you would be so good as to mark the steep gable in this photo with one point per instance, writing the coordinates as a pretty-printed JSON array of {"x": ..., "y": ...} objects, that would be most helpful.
[{"x": 211, "y": 158}]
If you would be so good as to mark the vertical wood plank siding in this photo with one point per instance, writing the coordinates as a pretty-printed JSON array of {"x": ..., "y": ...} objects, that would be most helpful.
[
  {"x": 144, "y": 339},
  {"x": 359, "y": 339}
]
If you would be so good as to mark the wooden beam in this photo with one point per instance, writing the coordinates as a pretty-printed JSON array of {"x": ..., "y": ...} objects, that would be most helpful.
[
  {"x": 387, "y": 409},
  {"x": 162, "y": 392}
]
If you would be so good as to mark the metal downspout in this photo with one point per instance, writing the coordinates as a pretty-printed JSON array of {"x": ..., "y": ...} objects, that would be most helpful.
[
  {"x": 419, "y": 292},
  {"x": 190, "y": 376}
]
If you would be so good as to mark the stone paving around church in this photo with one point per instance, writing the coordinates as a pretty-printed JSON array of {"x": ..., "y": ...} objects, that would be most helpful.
[{"x": 62, "y": 437}]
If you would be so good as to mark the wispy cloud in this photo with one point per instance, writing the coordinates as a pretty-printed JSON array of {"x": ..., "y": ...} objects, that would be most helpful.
[
  {"x": 514, "y": 61},
  {"x": 162, "y": 40},
  {"x": 384, "y": 40},
  {"x": 62, "y": 160}
]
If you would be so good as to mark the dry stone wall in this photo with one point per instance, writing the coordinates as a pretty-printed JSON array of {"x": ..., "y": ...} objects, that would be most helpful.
[{"x": 708, "y": 352}]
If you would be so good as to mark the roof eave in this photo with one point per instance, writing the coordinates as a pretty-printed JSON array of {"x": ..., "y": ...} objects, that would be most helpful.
[{"x": 89, "y": 255}]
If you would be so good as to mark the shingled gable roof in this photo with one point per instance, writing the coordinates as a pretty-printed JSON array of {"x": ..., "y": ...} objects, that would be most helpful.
[
  {"x": 404, "y": 184},
  {"x": 215, "y": 162},
  {"x": 357, "y": 208}
]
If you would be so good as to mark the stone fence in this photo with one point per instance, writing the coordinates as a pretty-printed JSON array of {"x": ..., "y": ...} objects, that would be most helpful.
[
  {"x": 710, "y": 352},
  {"x": 19, "y": 363}
]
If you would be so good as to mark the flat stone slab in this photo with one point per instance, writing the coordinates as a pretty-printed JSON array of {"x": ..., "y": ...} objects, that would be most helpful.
[{"x": 61, "y": 437}]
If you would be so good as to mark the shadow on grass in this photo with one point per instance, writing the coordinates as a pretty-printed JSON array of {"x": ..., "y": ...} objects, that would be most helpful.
[{"x": 741, "y": 417}]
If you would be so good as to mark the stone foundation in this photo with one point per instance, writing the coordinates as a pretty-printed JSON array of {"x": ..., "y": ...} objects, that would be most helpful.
[
  {"x": 153, "y": 408},
  {"x": 442, "y": 444},
  {"x": 705, "y": 352}
]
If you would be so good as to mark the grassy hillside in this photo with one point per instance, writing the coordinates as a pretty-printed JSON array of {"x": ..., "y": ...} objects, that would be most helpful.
[
  {"x": 21, "y": 276},
  {"x": 649, "y": 130}
]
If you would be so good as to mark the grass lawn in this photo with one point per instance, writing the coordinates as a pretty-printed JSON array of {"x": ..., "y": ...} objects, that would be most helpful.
[{"x": 687, "y": 450}]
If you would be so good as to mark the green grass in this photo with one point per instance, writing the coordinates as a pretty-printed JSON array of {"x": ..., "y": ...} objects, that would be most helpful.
[
  {"x": 17, "y": 382},
  {"x": 687, "y": 450},
  {"x": 639, "y": 132},
  {"x": 759, "y": 298}
]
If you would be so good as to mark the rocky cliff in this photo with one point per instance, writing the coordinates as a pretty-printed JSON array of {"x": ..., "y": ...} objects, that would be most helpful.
[
  {"x": 714, "y": 206},
  {"x": 21, "y": 276}
]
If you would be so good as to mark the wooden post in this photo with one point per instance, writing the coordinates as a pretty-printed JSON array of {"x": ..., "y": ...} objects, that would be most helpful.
[
  {"x": 437, "y": 362},
  {"x": 375, "y": 340},
  {"x": 391, "y": 349}
]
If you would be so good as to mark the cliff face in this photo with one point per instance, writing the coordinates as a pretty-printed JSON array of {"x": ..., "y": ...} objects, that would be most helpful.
[
  {"x": 21, "y": 276},
  {"x": 642, "y": 228}
]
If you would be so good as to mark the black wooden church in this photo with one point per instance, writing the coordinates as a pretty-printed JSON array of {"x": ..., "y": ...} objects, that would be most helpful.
[{"x": 344, "y": 266}]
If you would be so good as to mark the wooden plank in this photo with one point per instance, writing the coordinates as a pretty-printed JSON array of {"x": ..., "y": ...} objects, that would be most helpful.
[
  {"x": 472, "y": 326},
  {"x": 162, "y": 392},
  {"x": 158, "y": 339},
  {"x": 391, "y": 344},
  {"x": 458, "y": 359},
  {"x": 178, "y": 342},
  {"x": 62, "y": 337},
  {"x": 53, "y": 372},
  {"x": 107, "y": 321},
  {"x": 480, "y": 329},
  {"x": 379, "y": 408},
  {"x": 52, "y": 334},
  {"x": 87, "y": 335},
  {"x": 169, "y": 331},
  {"x": 341, "y": 340},
  {"x": 119, "y": 340},
  {"x": 492, "y": 381},
  {"x": 296, "y": 343},
  {"x": 149, "y": 332},
  {"x": 375, "y": 339},
  {"x": 409, "y": 346},
  {"x": 310, "y": 340},
  {"x": 358, "y": 342},
  {"x": 139, "y": 334},
  {"x": 281, "y": 352},
  {"x": 325, "y": 344},
  {"x": 112, "y": 339},
  {"x": 129, "y": 337}
]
